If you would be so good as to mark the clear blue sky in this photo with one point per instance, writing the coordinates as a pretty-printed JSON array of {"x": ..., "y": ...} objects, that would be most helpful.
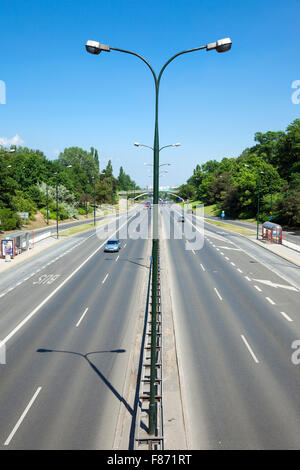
[{"x": 59, "y": 96}]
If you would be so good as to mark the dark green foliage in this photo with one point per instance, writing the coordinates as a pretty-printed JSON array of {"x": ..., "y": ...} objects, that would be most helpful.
[
  {"x": 22, "y": 171},
  {"x": 232, "y": 184},
  {"x": 9, "y": 220}
]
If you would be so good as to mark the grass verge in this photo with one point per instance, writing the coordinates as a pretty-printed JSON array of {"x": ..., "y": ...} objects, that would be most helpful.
[
  {"x": 233, "y": 228},
  {"x": 81, "y": 228}
]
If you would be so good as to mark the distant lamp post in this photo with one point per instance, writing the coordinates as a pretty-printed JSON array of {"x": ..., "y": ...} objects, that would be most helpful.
[
  {"x": 56, "y": 190},
  {"x": 47, "y": 201},
  {"x": 95, "y": 48},
  {"x": 258, "y": 199},
  {"x": 11, "y": 150},
  {"x": 56, "y": 185},
  {"x": 137, "y": 144},
  {"x": 94, "y": 188},
  {"x": 258, "y": 202}
]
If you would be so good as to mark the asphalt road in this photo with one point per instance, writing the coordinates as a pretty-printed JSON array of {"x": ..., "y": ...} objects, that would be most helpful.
[
  {"x": 69, "y": 331},
  {"x": 235, "y": 322}
]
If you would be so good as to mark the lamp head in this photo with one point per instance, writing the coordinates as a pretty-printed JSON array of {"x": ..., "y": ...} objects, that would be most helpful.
[
  {"x": 222, "y": 45},
  {"x": 94, "y": 47}
]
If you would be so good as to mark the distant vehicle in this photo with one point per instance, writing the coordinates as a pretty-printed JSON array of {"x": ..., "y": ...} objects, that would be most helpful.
[
  {"x": 181, "y": 218},
  {"x": 112, "y": 246},
  {"x": 147, "y": 205}
]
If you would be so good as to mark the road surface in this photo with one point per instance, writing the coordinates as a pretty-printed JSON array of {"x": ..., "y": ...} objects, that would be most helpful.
[
  {"x": 69, "y": 331},
  {"x": 235, "y": 322}
]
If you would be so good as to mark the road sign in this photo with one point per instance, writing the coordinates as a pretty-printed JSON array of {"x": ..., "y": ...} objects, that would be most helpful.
[{"x": 24, "y": 215}]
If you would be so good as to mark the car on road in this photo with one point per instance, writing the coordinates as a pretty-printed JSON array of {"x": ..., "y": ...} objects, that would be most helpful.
[
  {"x": 112, "y": 246},
  {"x": 181, "y": 218}
]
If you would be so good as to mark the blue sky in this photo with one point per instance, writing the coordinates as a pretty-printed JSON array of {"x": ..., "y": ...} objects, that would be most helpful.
[{"x": 59, "y": 96}]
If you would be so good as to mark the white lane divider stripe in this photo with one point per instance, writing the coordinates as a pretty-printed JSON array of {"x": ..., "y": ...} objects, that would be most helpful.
[
  {"x": 82, "y": 317},
  {"x": 22, "y": 417},
  {"x": 258, "y": 288},
  {"x": 249, "y": 349},
  {"x": 217, "y": 292},
  {"x": 105, "y": 278},
  {"x": 270, "y": 300},
  {"x": 203, "y": 268},
  {"x": 286, "y": 316}
]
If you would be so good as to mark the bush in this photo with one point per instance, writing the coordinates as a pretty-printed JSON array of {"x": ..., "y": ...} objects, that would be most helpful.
[
  {"x": 81, "y": 211},
  {"x": 52, "y": 214},
  {"x": 20, "y": 204},
  {"x": 9, "y": 220}
]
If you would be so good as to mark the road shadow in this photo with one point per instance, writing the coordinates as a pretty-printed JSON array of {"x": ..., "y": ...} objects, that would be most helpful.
[
  {"x": 135, "y": 262},
  {"x": 96, "y": 370}
]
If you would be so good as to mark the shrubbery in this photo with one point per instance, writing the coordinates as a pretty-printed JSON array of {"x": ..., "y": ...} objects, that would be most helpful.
[{"x": 9, "y": 220}]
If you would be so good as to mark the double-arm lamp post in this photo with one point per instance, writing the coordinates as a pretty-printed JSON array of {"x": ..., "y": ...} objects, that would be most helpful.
[{"x": 94, "y": 47}]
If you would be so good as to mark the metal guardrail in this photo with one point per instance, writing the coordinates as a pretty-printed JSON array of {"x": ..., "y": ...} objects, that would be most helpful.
[{"x": 143, "y": 440}]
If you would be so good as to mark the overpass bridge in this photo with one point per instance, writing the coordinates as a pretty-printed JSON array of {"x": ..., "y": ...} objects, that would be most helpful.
[{"x": 137, "y": 192}]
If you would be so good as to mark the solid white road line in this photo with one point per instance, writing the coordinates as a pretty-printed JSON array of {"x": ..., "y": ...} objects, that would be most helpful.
[
  {"x": 218, "y": 294},
  {"x": 105, "y": 278},
  {"x": 22, "y": 417},
  {"x": 286, "y": 316},
  {"x": 250, "y": 350},
  {"x": 81, "y": 318}
]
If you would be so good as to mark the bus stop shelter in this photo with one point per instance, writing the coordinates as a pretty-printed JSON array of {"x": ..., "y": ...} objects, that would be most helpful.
[
  {"x": 15, "y": 243},
  {"x": 272, "y": 232}
]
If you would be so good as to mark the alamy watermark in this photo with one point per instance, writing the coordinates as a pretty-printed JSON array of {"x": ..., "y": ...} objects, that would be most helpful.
[
  {"x": 295, "y": 358},
  {"x": 173, "y": 224},
  {"x": 296, "y": 93},
  {"x": 2, "y": 353},
  {"x": 2, "y": 92}
]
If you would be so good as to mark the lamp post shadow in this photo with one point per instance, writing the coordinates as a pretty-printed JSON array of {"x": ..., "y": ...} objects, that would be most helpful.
[{"x": 96, "y": 370}]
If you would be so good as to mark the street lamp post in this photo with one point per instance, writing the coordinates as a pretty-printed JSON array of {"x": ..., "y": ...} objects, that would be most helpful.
[
  {"x": 258, "y": 202},
  {"x": 94, "y": 47},
  {"x": 94, "y": 188},
  {"x": 47, "y": 196},
  {"x": 56, "y": 190},
  {"x": 56, "y": 186},
  {"x": 11, "y": 150}
]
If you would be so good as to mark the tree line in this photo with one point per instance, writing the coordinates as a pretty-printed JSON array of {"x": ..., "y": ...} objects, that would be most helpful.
[
  {"x": 28, "y": 180},
  {"x": 271, "y": 168}
]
